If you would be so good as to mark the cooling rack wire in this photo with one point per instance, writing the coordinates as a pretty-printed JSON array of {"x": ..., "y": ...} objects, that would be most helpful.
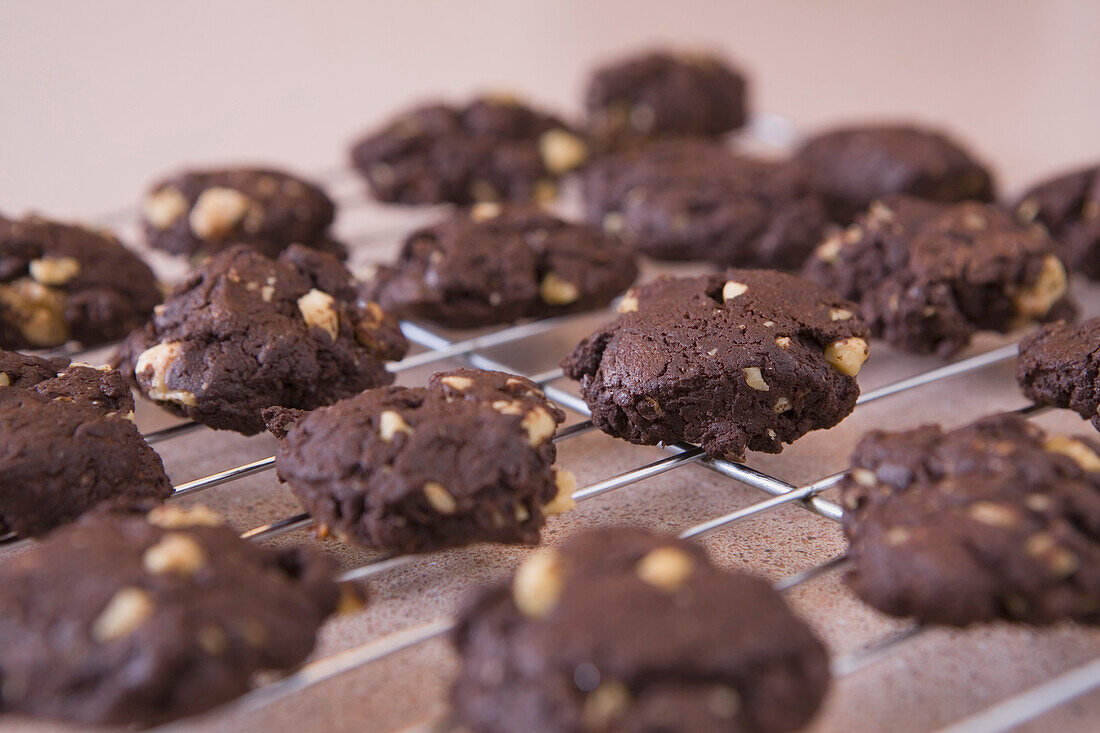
[{"x": 770, "y": 131}]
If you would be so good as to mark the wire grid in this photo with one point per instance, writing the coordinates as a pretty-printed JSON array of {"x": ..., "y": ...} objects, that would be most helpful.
[{"x": 439, "y": 348}]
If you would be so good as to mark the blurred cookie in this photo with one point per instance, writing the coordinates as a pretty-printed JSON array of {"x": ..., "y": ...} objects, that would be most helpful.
[
  {"x": 197, "y": 213},
  {"x": 1059, "y": 365},
  {"x": 493, "y": 149},
  {"x": 928, "y": 275},
  {"x": 69, "y": 444},
  {"x": 696, "y": 200},
  {"x": 853, "y": 166},
  {"x": 997, "y": 520},
  {"x": 121, "y": 620},
  {"x": 625, "y": 630},
  {"x": 245, "y": 332},
  {"x": 62, "y": 282},
  {"x": 660, "y": 93},
  {"x": 1069, "y": 207},
  {"x": 407, "y": 469},
  {"x": 497, "y": 264},
  {"x": 735, "y": 360}
]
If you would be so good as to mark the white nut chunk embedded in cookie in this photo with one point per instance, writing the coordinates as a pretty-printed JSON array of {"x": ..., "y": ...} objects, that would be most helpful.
[
  {"x": 217, "y": 211},
  {"x": 566, "y": 484},
  {"x": 175, "y": 553},
  {"x": 537, "y": 585},
  {"x": 1084, "y": 456},
  {"x": 440, "y": 499},
  {"x": 168, "y": 516},
  {"x": 391, "y": 423},
  {"x": 667, "y": 568},
  {"x": 124, "y": 614},
  {"x": 164, "y": 207},
  {"x": 151, "y": 370},
  {"x": 847, "y": 355},
  {"x": 554, "y": 290},
  {"x": 561, "y": 150},
  {"x": 732, "y": 289},
  {"x": 318, "y": 309},
  {"x": 54, "y": 270},
  {"x": 540, "y": 425},
  {"x": 1036, "y": 300}
]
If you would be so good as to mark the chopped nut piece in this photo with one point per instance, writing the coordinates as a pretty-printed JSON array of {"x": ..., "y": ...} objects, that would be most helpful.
[
  {"x": 603, "y": 704},
  {"x": 556, "y": 291},
  {"x": 614, "y": 222},
  {"x": 852, "y": 234},
  {"x": 164, "y": 207},
  {"x": 1038, "y": 502},
  {"x": 458, "y": 383},
  {"x": 126, "y": 611},
  {"x": 217, "y": 211},
  {"x": 1028, "y": 210},
  {"x": 5, "y": 380},
  {"x": 54, "y": 270},
  {"x": 176, "y": 517},
  {"x": 897, "y": 536},
  {"x": 152, "y": 368},
  {"x": 840, "y": 314},
  {"x": 732, "y": 289},
  {"x": 755, "y": 379},
  {"x": 318, "y": 308},
  {"x": 39, "y": 311},
  {"x": 522, "y": 513},
  {"x": 667, "y": 568},
  {"x": 1039, "y": 544},
  {"x": 1085, "y": 457},
  {"x": 880, "y": 211},
  {"x": 391, "y": 423},
  {"x": 783, "y": 342},
  {"x": 508, "y": 407},
  {"x": 996, "y": 515},
  {"x": 863, "y": 477},
  {"x": 540, "y": 425},
  {"x": 1034, "y": 301},
  {"x": 629, "y": 303},
  {"x": 561, "y": 150},
  {"x": 537, "y": 585},
  {"x": 563, "y": 501},
  {"x": 175, "y": 553},
  {"x": 781, "y": 405},
  {"x": 829, "y": 250},
  {"x": 847, "y": 355},
  {"x": 440, "y": 499},
  {"x": 485, "y": 211}
]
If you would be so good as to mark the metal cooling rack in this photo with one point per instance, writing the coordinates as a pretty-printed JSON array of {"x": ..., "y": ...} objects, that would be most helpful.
[{"x": 767, "y": 130}]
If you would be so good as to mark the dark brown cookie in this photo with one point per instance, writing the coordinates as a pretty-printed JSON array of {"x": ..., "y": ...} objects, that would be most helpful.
[
  {"x": 122, "y": 620},
  {"x": 745, "y": 359},
  {"x": 62, "y": 282},
  {"x": 853, "y": 166},
  {"x": 198, "y": 213},
  {"x": 696, "y": 200},
  {"x": 993, "y": 521},
  {"x": 625, "y": 630},
  {"x": 1069, "y": 207},
  {"x": 493, "y": 149},
  {"x": 1059, "y": 365},
  {"x": 660, "y": 93},
  {"x": 928, "y": 275},
  {"x": 68, "y": 444},
  {"x": 495, "y": 264},
  {"x": 245, "y": 332},
  {"x": 468, "y": 459}
]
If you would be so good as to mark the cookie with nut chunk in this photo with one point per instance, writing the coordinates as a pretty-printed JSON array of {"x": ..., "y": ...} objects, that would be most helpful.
[
  {"x": 495, "y": 148},
  {"x": 662, "y": 93},
  {"x": 742, "y": 359},
  {"x": 852, "y": 166},
  {"x": 695, "y": 199},
  {"x": 927, "y": 276},
  {"x": 245, "y": 331},
  {"x": 197, "y": 213},
  {"x": 496, "y": 264},
  {"x": 63, "y": 282},
  {"x": 1059, "y": 365},
  {"x": 124, "y": 619},
  {"x": 997, "y": 520},
  {"x": 69, "y": 444},
  {"x": 627, "y": 630},
  {"x": 467, "y": 459},
  {"x": 1069, "y": 207}
]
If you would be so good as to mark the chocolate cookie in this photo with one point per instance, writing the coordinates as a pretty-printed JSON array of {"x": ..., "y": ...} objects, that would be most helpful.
[
  {"x": 660, "y": 93},
  {"x": 493, "y": 149},
  {"x": 123, "y": 620},
  {"x": 497, "y": 264},
  {"x": 68, "y": 445},
  {"x": 62, "y": 282},
  {"x": 997, "y": 520},
  {"x": 625, "y": 630},
  {"x": 928, "y": 275},
  {"x": 696, "y": 200},
  {"x": 745, "y": 359},
  {"x": 245, "y": 332},
  {"x": 1069, "y": 207},
  {"x": 467, "y": 459},
  {"x": 853, "y": 166},
  {"x": 198, "y": 213},
  {"x": 1059, "y": 365}
]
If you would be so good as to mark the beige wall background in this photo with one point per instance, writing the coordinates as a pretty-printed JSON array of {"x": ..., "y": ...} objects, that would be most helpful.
[{"x": 98, "y": 97}]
